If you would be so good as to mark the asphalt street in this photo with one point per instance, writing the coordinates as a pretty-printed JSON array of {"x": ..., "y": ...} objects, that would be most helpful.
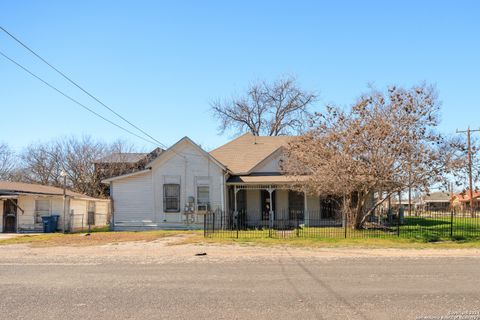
[{"x": 283, "y": 288}]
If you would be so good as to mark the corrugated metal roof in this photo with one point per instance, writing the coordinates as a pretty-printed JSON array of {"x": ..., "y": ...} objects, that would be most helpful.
[{"x": 241, "y": 155}]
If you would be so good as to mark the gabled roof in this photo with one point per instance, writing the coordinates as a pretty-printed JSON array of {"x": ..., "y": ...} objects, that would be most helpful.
[
  {"x": 439, "y": 196},
  {"x": 172, "y": 150},
  {"x": 244, "y": 153},
  {"x": 163, "y": 156},
  {"x": 12, "y": 188}
]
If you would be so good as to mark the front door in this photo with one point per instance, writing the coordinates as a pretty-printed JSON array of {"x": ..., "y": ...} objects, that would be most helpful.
[
  {"x": 10, "y": 215},
  {"x": 267, "y": 203}
]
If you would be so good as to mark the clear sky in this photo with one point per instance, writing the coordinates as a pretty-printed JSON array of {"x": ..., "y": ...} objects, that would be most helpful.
[{"x": 160, "y": 63}]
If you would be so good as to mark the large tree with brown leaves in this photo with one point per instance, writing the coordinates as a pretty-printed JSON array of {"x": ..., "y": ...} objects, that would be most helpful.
[{"x": 385, "y": 143}]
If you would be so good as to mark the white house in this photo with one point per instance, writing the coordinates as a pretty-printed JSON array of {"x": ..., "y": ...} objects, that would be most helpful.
[
  {"x": 242, "y": 179},
  {"x": 175, "y": 189},
  {"x": 23, "y": 205}
]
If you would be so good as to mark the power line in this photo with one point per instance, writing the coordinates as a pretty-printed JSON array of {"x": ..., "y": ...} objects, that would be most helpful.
[
  {"x": 72, "y": 99},
  {"x": 81, "y": 88}
]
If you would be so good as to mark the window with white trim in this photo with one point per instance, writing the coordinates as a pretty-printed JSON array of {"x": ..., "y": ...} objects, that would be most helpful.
[
  {"x": 42, "y": 208},
  {"x": 171, "y": 197},
  {"x": 203, "y": 197}
]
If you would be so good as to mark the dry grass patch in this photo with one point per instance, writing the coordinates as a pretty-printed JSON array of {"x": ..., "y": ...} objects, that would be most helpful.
[
  {"x": 92, "y": 239},
  {"x": 365, "y": 243}
]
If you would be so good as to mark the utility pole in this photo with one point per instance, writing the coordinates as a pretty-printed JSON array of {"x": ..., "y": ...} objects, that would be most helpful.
[
  {"x": 64, "y": 207},
  {"x": 470, "y": 179}
]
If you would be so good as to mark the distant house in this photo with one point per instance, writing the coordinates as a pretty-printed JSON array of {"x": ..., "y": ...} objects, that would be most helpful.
[
  {"x": 439, "y": 200},
  {"x": 396, "y": 203},
  {"x": 23, "y": 205},
  {"x": 462, "y": 200},
  {"x": 120, "y": 163},
  {"x": 242, "y": 177}
]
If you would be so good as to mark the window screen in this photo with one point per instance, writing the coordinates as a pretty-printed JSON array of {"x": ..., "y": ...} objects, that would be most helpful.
[
  {"x": 203, "y": 195},
  {"x": 171, "y": 197}
]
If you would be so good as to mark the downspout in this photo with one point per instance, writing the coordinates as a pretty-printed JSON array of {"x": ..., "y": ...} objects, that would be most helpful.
[{"x": 225, "y": 191}]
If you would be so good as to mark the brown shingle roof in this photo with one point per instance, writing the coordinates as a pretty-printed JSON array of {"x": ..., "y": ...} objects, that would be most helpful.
[
  {"x": 242, "y": 154},
  {"x": 7, "y": 187}
]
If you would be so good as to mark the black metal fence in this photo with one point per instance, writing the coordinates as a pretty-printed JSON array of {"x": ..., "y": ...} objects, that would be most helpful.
[{"x": 428, "y": 225}]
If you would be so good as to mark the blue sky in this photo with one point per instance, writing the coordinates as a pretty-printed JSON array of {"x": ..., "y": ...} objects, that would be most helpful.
[{"x": 160, "y": 63}]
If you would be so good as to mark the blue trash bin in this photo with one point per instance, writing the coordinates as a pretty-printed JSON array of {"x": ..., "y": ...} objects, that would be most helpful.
[
  {"x": 54, "y": 222},
  {"x": 47, "y": 222}
]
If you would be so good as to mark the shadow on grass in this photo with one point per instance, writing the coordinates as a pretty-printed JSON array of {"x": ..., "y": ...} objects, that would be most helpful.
[{"x": 425, "y": 222}]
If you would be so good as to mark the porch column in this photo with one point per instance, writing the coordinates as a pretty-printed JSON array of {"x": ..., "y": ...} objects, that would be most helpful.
[
  {"x": 235, "y": 199},
  {"x": 270, "y": 214},
  {"x": 306, "y": 214},
  {"x": 235, "y": 210}
]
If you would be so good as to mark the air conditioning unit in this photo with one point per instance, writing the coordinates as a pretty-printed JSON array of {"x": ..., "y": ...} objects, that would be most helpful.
[{"x": 203, "y": 208}]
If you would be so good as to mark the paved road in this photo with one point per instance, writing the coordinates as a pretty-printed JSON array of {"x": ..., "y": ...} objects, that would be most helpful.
[{"x": 287, "y": 288}]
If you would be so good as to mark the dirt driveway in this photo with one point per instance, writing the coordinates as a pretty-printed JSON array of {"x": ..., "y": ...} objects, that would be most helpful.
[{"x": 177, "y": 249}]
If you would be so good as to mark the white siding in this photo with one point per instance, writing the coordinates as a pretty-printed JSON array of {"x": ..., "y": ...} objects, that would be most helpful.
[
  {"x": 191, "y": 168},
  {"x": 313, "y": 205},
  {"x": 138, "y": 199},
  {"x": 26, "y": 220},
  {"x": 253, "y": 205},
  {"x": 281, "y": 204},
  {"x": 270, "y": 164},
  {"x": 133, "y": 199}
]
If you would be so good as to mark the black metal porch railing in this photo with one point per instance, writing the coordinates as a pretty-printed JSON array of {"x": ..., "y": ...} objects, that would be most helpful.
[{"x": 428, "y": 225}]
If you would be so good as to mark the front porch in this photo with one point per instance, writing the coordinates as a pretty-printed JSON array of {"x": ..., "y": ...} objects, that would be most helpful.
[{"x": 278, "y": 206}]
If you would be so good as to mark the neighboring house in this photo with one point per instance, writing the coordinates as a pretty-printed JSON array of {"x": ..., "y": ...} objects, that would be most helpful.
[
  {"x": 184, "y": 182},
  {"x": 24, "y": 204},
  {"x": 439, "y": 200},
  {"x": 120, "y": 163},
  {"x": 462, "y": 200},
  {"x": 395, "y": 204}
]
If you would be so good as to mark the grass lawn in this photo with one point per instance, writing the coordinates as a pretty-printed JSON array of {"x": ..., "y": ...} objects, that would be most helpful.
[{"x": 417, "y": 229}]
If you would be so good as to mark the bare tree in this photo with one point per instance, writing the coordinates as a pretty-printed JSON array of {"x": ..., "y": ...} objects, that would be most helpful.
[
  {"x": 43, "y": 162},
  {"x": 386, "y": 142},
  {"x": 7, "y": 162},
  {"x": 272, "y": 109}
]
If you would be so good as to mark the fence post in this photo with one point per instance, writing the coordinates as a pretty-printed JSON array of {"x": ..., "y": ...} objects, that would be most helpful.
[
  {"x": 296, "y": 224},
  {"x": 238, "y": 222},
  {"x": 345, "y": 222},
  {"x": 205, "y": 224},
  {"x": 398, "y": 222},
  {"x": 451, "y": 223},
  {"x": 213, "y": 222}
]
